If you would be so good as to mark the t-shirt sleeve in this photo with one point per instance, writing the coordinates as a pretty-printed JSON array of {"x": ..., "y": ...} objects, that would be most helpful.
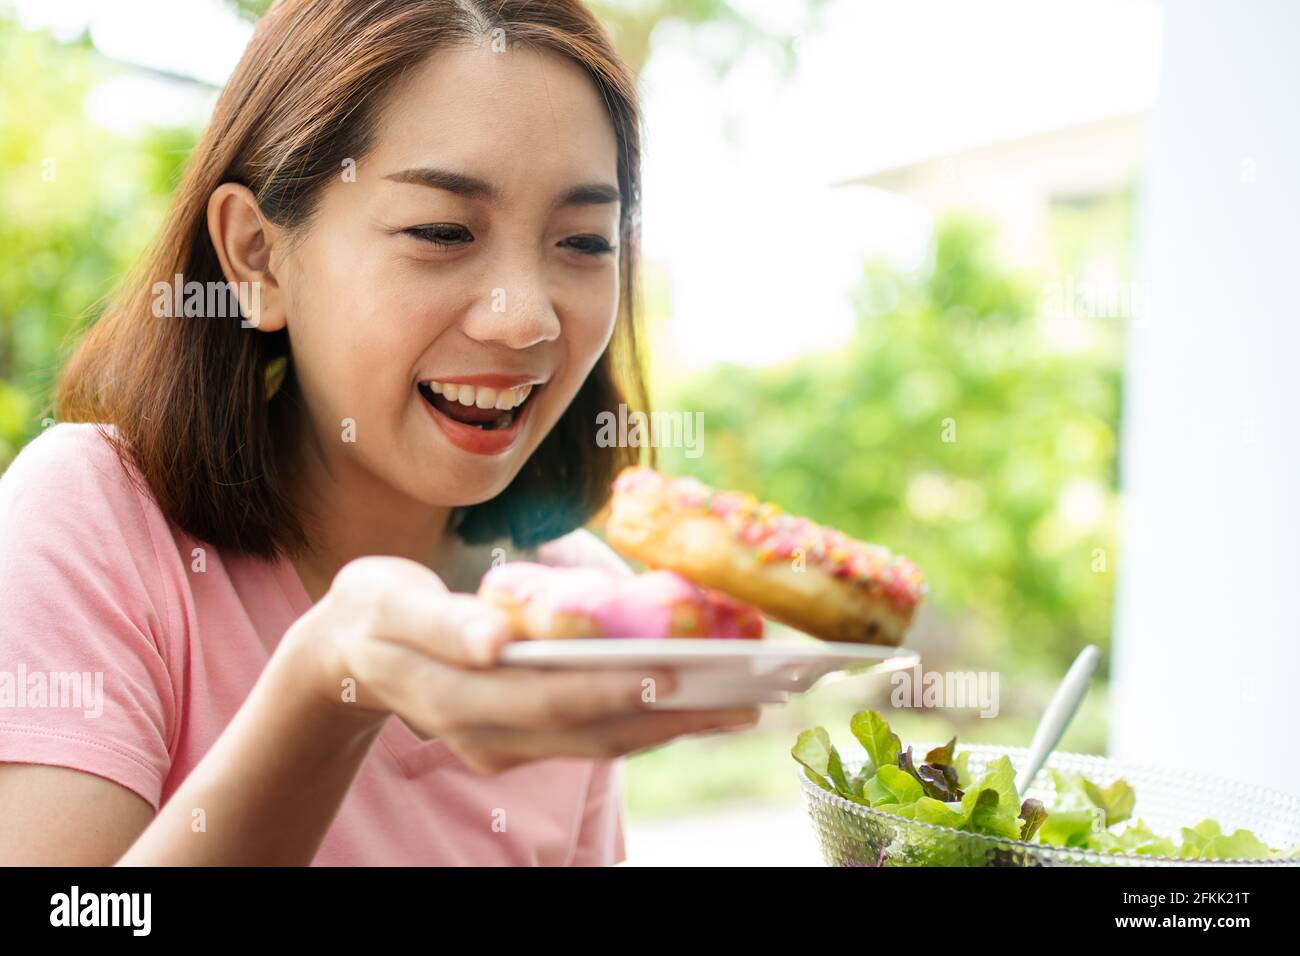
[
  {"x": 600, "y": 838},
  {"x": 84, "y": 680}
]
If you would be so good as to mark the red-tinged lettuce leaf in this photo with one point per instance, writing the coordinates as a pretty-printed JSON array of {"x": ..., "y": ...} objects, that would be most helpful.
[
  {"x": 906, "y": 765},
  {"x": 940, "y": 781},
  {"x": 942, "y": 756},
  {"x": 1032, "y": 815}
]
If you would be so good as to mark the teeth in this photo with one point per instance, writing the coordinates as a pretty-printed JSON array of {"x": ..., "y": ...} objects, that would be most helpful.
[{"x": 503, "y": 400}]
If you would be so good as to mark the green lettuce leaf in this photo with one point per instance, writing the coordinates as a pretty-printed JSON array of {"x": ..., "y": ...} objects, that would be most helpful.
[
  {"x": 962, "y": 766},
  {"x": 992, "y": 806},
  {"x": 875, "y": 793},
  {"x": 901, "y": 785},
  {"x": 929, "y": 810},
  {"x": 1136, "y": 838},
  {"x": 1207, "y": 841},
  {"x": 1116, "y": 800},
  {"x": 872, "y": 731},
  {"x": 813, "y": 750},
  {"x": 835, "y": 770},
  {"x": 1072, "y": 828}
]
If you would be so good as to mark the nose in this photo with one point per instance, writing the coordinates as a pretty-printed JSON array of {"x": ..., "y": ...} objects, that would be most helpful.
[{"x": 517, "y": 313}]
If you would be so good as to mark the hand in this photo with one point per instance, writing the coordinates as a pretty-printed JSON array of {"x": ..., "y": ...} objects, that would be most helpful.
[{"x": 389, "y": 631}]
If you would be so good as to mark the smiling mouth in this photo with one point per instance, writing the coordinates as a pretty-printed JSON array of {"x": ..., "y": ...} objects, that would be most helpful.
[{"x": 446, "y": 400}]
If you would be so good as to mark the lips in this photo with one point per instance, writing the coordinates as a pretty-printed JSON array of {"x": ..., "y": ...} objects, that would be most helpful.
[
  {"x": 482, "y": 431},
  {"x": 489, "y": 419}
]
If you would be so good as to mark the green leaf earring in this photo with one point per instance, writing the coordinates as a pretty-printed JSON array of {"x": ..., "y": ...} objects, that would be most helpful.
[{"x": 275, "y": 370}]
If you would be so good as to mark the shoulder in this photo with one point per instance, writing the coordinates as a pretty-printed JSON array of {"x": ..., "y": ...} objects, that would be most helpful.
[
  {"x": 69, "y": 454},
  {"x": 67, "y": 492},
  {"x": 581, "y": 548}
]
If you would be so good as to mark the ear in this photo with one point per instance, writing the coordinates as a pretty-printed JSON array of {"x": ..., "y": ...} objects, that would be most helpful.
[{"x": 244, "y": 241}]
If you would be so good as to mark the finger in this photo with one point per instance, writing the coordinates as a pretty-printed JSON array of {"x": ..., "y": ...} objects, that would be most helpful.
[
  {"x": 400, "y": 600},
  {"x": 536, "y": 698},
  {"x": 442, "y": 695},
  {"x": 607, "y": 738},
  {"x": 456, "y": 628}
]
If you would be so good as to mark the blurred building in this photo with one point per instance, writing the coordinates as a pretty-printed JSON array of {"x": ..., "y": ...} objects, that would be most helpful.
[{"x": 1018, "y": 182}]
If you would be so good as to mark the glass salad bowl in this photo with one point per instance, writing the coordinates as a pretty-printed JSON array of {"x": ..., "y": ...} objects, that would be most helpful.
[{"x": 854, "y": 835}]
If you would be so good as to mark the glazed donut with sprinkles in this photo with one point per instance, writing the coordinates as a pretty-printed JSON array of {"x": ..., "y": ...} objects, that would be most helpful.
[{"x": 813, "y": 578}]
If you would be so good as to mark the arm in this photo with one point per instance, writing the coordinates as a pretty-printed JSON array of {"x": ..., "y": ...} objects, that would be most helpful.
[
  {"x": 268, "y": 790},
  {"x": 82, "y": 591},
  {"x": 271, "y": 785},
  {"x": 273, "y": 782},
  {"x": 55, "y": 816}
]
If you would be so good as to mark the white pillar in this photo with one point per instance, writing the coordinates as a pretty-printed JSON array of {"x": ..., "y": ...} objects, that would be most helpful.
[{"x": 1206, "y": 668}]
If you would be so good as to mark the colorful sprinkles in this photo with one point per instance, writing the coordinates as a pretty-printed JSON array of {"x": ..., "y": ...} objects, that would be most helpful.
[{"x": 777, "y": 536}]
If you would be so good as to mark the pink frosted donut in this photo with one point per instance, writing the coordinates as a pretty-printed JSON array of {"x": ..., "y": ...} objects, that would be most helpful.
[{"x": 547, "y": 603}]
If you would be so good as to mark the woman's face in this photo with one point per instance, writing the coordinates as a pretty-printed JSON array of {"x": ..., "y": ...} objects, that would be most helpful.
[{"x": 474, "y": 246}]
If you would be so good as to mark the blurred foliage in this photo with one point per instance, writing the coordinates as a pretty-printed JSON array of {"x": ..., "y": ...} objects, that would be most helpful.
[
  {"x": 78, "y": 203},
  {"x": 632, "y": 23},
  {"x": 1012, "y": 520},
  {"x": 959, "y": 427}
]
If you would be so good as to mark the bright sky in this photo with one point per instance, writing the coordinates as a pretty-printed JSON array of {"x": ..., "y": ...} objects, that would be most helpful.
[{"x": 739, "y": 208}]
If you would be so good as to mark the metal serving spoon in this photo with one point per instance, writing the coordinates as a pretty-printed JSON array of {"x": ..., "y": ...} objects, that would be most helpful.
[{"x": 1059, "y": 713}]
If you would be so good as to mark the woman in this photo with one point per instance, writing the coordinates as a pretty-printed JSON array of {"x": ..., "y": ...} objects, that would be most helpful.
[{"x": 246, "y": 547}]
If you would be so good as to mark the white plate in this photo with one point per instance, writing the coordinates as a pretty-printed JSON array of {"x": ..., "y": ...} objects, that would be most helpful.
[{"x": 718, "y": 672}]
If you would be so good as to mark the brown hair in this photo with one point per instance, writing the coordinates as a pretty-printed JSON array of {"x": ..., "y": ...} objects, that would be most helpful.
[{"x": 188, "y": 398}]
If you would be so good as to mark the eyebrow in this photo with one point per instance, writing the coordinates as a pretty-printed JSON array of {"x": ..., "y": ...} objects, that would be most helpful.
[{"x": 471, "y": 187}]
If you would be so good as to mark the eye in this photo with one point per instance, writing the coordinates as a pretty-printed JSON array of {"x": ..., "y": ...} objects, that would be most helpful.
[
  {"x": 443, "y": 234},
  {"x": 588, "y": 245}
]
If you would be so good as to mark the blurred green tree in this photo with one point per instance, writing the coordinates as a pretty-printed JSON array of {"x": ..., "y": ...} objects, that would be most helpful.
[
  {"x": 77, "y": 205},
  {"x": 955, "y": 427},
  {"x": 632, "y": 23}
]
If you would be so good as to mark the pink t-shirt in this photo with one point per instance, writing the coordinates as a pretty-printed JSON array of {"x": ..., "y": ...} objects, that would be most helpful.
[{"x": 123, "y": 656}]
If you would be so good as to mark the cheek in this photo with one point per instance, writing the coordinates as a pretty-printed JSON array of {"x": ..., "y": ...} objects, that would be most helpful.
[
  {"x": 599, "y": 314},
  {"x": 361, "y": 321}
]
